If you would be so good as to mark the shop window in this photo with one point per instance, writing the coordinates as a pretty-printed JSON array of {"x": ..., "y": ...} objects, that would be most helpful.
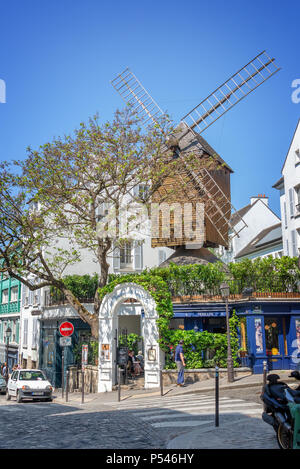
[{"x": 272, "y": 336}]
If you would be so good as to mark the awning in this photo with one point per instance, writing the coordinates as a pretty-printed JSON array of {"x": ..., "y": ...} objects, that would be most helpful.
[{"x": 199, "y": 314}]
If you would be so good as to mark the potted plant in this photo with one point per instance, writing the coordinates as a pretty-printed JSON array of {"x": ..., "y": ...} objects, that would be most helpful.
[{"x": 243, "y": 352}]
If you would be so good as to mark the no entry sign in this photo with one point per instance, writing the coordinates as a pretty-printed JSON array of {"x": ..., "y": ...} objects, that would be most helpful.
[{"x": 66, "y": 329}]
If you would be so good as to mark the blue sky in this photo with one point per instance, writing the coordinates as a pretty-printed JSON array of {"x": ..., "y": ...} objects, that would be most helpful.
[{"x": 57, "y": 59}]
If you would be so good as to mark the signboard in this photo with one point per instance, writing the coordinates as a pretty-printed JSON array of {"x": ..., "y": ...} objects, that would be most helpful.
[
  {"x": 66, "y": 329},
  {"x": 65, "y": 341},
  {"x": 122, "y": 356},
  {"x": 105, "y": 351},
  {"x": 84, "y": 356}
]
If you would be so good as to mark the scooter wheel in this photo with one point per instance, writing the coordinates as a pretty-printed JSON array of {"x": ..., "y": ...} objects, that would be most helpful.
[{"x": 284, "y": 438}]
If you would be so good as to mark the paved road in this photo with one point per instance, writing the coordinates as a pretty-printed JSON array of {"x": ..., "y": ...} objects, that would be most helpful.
[
  {"x": 37, "y": 425},
  {"x": 147, "y": 422}
]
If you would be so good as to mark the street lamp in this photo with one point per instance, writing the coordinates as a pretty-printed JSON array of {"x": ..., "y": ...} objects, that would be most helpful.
[
  {"x": 7, "y": 336},
  {"x": 224, "y": 287}
]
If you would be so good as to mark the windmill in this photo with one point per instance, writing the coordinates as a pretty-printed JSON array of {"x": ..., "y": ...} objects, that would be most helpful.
[{"x": 208, "y": 183}]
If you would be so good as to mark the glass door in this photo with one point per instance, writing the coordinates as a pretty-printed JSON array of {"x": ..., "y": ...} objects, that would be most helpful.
[{"x": 274, "y": 342}]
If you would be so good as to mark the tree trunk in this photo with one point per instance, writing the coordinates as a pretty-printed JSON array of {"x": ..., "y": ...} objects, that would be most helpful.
[{"x": 84, "y": 314}]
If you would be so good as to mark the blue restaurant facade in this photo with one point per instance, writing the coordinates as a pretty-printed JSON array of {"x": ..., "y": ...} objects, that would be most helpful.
[{"x": 270, "y": 328}]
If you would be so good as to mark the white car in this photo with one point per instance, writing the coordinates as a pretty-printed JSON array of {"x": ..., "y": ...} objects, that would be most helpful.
[{"x": 29, "y": 384}]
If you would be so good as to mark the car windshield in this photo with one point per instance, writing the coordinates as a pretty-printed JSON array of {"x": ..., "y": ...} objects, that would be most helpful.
[
  {"x": 31, "y": 376},
  {"x": 2, "y": 380}
]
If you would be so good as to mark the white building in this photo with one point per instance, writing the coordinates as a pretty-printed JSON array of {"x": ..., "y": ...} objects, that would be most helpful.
[
  {"x": 289, "y": 187},
  {"x": 258, "y": 218}
]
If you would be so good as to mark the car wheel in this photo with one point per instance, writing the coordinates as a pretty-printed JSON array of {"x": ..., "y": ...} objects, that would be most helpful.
[
  {"x": 8, "y": 396},
  {"x": 19, "y": 398}
]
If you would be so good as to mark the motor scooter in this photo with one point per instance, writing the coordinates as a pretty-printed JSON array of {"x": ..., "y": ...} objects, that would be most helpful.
[{"x": 282, "y": 410}]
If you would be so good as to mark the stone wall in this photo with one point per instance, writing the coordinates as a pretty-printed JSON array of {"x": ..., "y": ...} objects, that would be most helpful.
[
  {"x": 192, "y": 376},
  {"x": 90, "y": 379},
  {"x": 169, "y": 377}
]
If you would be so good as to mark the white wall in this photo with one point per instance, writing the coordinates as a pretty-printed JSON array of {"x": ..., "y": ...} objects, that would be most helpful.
[
  {"x": 291, "y": 174},
  {"x": 257, "y": 219}
]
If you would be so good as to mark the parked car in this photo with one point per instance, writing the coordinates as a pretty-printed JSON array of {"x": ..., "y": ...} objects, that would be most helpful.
[
  {"x": 2, "y": 385},
  {"x": 29, "y": 384}
]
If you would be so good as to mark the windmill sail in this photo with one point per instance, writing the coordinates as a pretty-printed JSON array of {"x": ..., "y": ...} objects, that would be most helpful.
[
  {"x": 135, "y": 95},
  {"x": 218, "y": 207},
  {"x": 242, "y": 83}
]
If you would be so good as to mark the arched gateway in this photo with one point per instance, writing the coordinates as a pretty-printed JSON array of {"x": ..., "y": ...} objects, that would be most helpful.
[{"x": 112, "y": 308}]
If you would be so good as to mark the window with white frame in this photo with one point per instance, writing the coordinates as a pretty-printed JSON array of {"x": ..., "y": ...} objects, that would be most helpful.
[
  {"x": 126, "y": 257},
  {"x": 297, "y": 156},
  {"x": 14, "y": 294},
  {"x": 5, "y": 296}
]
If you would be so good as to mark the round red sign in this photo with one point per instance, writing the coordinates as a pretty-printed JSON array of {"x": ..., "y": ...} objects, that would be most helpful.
[{"x": 66, "y": 329}]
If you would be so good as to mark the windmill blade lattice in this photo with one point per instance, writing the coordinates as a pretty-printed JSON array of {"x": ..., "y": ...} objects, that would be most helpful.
[
  {"x": 242, "y": 83},
  {"x": 218, "y": 207},
  {"x": 135, "y": 95}
]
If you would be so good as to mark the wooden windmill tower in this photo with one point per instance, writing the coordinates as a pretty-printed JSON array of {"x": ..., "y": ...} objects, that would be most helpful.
[{"x": 207, "y": 180}]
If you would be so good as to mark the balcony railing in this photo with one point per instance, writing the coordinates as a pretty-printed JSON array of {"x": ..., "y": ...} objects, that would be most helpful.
[
  {"x": 12, "y": 307},
  {"x": 58, "y": 300}
]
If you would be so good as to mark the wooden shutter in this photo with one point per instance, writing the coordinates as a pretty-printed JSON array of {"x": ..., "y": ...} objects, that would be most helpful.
[
  {"x": 23, "y": 294},
  {"x": 291, "y": 197},
  {"x": 294, "y": 243},
  {"x": 25, "y": 332},
  {"x": 138, "y": 256},
  {"x": 285, "y": 215}
]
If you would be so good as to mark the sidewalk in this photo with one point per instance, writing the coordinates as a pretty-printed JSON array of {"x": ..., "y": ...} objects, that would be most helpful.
[{"x": 198, "y": 387}]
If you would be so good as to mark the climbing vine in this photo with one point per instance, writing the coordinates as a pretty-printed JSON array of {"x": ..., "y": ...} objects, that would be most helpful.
[{"x": 159, "y": 291}]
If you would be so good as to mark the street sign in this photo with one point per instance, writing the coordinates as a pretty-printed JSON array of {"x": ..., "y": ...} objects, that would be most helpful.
[
  {"x": 65, "y": 341},
  {"x": 66, "y": 329}
]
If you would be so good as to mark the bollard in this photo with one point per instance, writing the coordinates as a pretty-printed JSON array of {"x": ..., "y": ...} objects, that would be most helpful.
[
  {"x": 264, "y": 373},
  {"x": 82, "y": 389},
  {"x": 119, "y": 383},
  {"x": 161, "y": 383},
  {"x": 217, "y": 398},
  {"x": 67, "y": 386},
  {"x": 62, "y": 372}
]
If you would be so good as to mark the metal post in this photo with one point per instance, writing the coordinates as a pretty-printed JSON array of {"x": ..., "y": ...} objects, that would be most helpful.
[
  {"x": 230, "y": 371},
  {"x": 217, "y": 398},
  {"x": 6, "y": 372},
  {"x": 264, "y": 372},
  {"x": 62, "y": 371},
  {"x": 67, "y": 386},
  {"x": 82, "y": 389},
  {"x": 161, "y": 383},
  {"x": 119, "y": 384}
]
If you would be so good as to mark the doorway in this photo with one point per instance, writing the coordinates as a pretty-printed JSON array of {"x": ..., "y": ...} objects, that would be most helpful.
[
  {"x": 130, "y": 339},
  {"x": 274, "y": 342}
]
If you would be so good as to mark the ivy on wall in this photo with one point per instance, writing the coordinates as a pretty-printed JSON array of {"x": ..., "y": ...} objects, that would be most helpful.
[{"x": 159, "y": 291}]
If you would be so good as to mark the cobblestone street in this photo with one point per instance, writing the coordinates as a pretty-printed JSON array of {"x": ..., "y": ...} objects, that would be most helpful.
[
  {"x": 49, "y": 425},
  {"x": 174, "y": 422}
]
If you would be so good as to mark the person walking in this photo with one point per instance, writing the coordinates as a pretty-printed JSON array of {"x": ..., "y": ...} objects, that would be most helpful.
[{"x": 180, "y": 362}]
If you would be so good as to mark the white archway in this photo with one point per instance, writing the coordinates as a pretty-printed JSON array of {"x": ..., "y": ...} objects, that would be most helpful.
[{"x": 108, "y": 318}]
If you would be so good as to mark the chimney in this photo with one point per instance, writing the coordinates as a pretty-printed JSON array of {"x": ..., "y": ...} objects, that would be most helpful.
[{"x": 262, "y": 197}]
